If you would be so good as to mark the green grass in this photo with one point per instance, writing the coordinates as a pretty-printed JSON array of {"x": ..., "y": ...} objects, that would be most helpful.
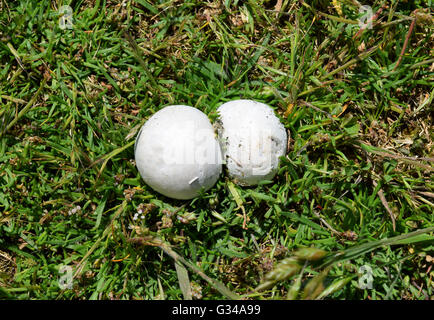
[{"x": 356, "y": 186}]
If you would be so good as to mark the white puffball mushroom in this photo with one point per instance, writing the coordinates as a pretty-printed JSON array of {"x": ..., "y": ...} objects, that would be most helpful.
[
  {"x": 252, "y": 139},
  {"x": 177, "y": 153}
]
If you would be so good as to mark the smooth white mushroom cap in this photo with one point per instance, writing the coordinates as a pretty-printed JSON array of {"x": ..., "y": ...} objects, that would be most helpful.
[
  {"x": 177, "y": 153},
  {"x": 252, "y": 139}
]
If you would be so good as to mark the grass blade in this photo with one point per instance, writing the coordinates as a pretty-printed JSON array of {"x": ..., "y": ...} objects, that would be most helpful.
[
  {"x": 26, "y": 108},
  {"x": 335, "y": 286},
  {"x": 154, "y": 241},
  {"x": 356, "y": 251},
  {"x": 184, "y": 281}
]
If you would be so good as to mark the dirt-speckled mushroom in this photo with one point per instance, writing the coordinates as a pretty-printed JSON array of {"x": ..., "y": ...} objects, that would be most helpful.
[{"x": 252, "y": 139}]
